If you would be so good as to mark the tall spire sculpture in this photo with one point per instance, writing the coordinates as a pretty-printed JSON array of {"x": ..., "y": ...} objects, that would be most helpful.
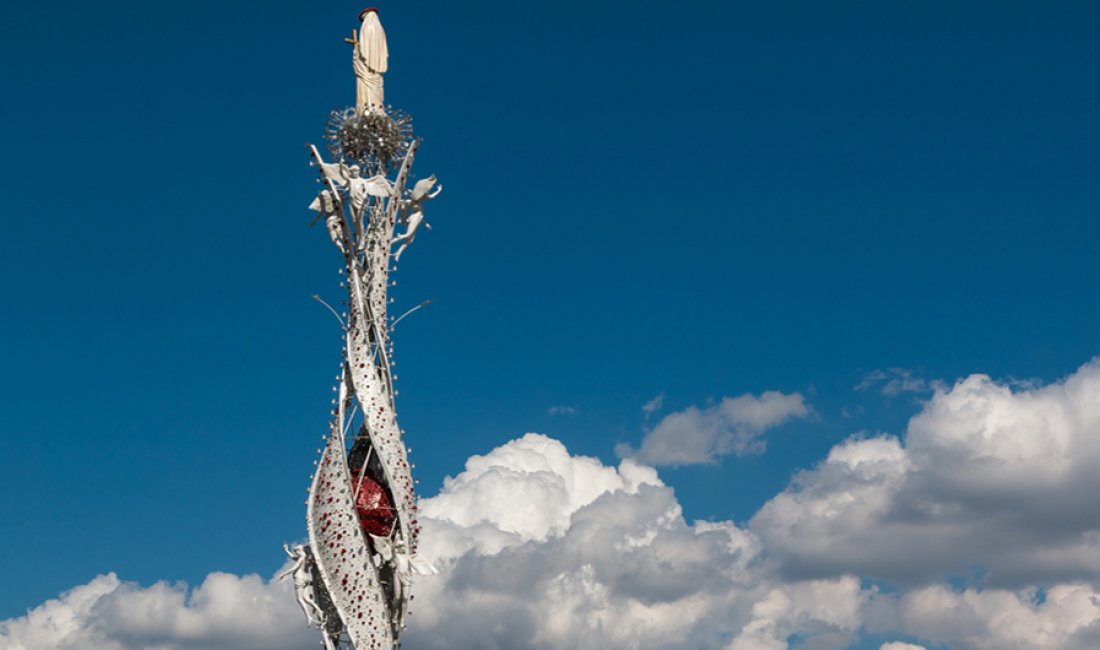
[{"x": 353, "y": 578}]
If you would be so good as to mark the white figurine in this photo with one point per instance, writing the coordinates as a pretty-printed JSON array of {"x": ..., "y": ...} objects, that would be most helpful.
[
  {"x": 371, "y": 60},
  {"x": 326, "y": 204},
  {"x": 405, "y": 565},
  {"x": 302, "y": 572},
  {"x": 358, "y": 188},
  {"x": 335, "y": 172},
  {"x": 414, "y": 212}
]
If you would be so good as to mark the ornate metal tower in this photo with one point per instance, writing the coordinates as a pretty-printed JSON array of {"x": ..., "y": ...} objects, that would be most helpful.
[{"x": 353, "y": 578}]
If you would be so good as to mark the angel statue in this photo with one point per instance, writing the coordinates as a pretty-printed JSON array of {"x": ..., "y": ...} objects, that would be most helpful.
[
  {"x": 404, "y": 564},
  {"x": 327, "y": 205},
  {"x": 359, "y": 188},
  {"x": 370, "y": 58},
  {"x": 302, "y": 572},
  {"x": 414, "y": 212}
]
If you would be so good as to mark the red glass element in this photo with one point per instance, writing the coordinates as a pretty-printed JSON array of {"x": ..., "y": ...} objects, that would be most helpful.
[{"x": 375, "y": 512}]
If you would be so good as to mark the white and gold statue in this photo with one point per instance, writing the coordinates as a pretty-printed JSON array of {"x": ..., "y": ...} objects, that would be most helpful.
[{"x": 371, "y": 60}]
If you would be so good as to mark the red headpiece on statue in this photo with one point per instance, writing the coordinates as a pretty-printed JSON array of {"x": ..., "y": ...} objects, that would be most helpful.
[{"x": 367, "y": 11}]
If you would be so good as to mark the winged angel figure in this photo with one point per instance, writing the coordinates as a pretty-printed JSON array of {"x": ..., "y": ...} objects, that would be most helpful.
[
  {"x": 347, "y": 178},
  {"x": 414, "y": 212}
]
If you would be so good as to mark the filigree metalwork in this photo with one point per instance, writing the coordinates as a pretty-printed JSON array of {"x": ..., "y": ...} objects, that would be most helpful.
[
  {"x": 353, "y": 580},
  {"x": 374, "y": 140}
]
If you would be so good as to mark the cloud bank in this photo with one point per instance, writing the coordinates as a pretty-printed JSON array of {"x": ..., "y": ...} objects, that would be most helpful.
[
  {"x": 991, "y": 488},
  {"x": 225, "y": 611},
  {"x": 987, "y": 480},
  {"x": 602, "y": 558}
]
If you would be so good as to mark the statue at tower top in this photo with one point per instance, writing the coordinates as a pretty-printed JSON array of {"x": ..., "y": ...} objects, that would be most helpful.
[{"x": 370, "y": 57}]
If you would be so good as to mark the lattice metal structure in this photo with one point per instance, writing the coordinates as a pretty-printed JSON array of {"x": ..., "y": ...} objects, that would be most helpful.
[{"x": 353, "y": 578}]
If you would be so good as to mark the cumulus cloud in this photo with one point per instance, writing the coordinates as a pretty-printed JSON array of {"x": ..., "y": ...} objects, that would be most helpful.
[
  {"x": 537, "y": 549},
  {"x": 225, "y": 611},
  {"x": 734, "y": 425},
  {"x": 829, "y": 610},
  {"x": 561, "y": 551},
  {"x": 1066, "y": 617},
  {"x": 603, "y": 558},
  {"x": 542, "y": 549},
  {"x": 989, "y": 480}
]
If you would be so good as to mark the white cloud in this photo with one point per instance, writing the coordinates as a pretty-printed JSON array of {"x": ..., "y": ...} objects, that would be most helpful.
[
  {"x": 989, "y": 479},
  {"x": 562, "y": 409},
  {"x": 560, "y": 551},
  {"x": 1067, "y": 617},
  {"x": 537, "y": 548},
  {"x": 540, "y": 549},
  {"x": 528, "y": 489},
  {"x": 828, "y": 609},
  {"x": 653, "y": 405},
  {"x": 734, "y": 425},
  {"x": 225, "y": 611},
  {"x": 895, "y": 381}
]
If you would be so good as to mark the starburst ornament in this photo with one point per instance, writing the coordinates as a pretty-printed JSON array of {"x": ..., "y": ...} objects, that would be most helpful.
[{"x": 374, "y": 140}]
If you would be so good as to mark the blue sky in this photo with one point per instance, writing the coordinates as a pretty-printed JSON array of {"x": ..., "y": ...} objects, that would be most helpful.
[{"x": 697, "y": 200}]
